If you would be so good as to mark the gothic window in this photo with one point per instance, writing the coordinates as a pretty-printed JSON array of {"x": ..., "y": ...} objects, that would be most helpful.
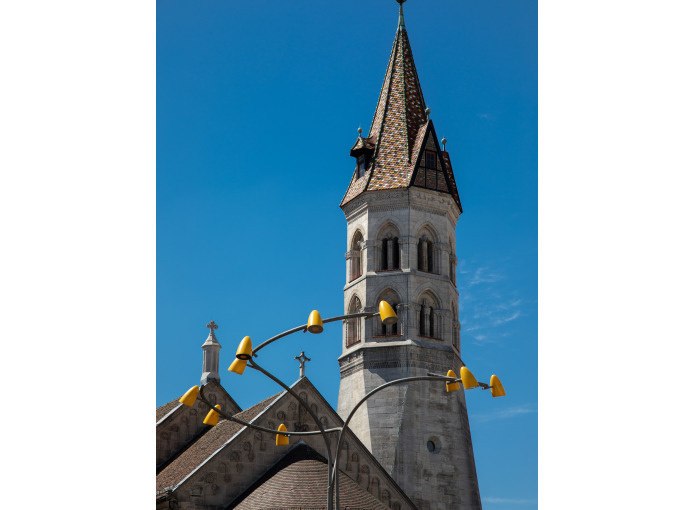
[
  {"x": 456, "y": 326},
  {"x": 429, "y": 317},
  {"x": 356, "y": 257},
  {"x": 427, "y": 253},
  {"x": 452, "y": 264},
  {"x": 353, "y": 326},
  {"x": 388, "y": 246},
  {"x": 380, "y": 329},
  {"x": 384, "y": 261}
]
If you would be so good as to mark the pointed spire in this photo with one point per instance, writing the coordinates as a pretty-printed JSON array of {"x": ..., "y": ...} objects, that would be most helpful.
[
  {"x": 211, "y": 355},
  {"x": 401, "y": 15},
  {"x": 400, "y": 129}
]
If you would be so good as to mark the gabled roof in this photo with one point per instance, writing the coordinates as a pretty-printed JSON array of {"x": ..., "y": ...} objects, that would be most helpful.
[
  {"x": 299, "y": 481},
  {"x": 213, "y": 451},
  {"x": 399, "y": 125},
  {"x": 206, "y": 445},
  {"x": 167, "y": 408}
]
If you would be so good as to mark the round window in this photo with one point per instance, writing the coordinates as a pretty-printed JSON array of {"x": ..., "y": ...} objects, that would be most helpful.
[{"x": 433, "y": 444}]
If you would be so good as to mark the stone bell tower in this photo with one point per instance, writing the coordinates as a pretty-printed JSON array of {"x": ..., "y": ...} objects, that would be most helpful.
[{"x": 401, "y": 207}]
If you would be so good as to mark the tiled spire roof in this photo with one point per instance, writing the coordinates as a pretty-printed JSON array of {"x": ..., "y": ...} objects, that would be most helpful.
[
  {"x": 399, "y": 124},
  {"x": 400, "y": 111}
]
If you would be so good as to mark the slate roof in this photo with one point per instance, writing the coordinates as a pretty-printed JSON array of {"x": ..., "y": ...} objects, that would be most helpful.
[
  {"x": 206, "y": 445},
  {"x": 399, "y": 125},
  {"x": 299, "y": 482},
  {"x": 165, "y": 409}
]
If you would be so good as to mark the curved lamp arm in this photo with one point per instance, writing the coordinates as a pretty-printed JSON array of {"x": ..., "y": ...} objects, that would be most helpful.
[
  {"x": 329, "y": 494},
  {"x": 429, "y": 377},
  {"x": 257, "y": 427},
  {"x": 304, "y": 327}
]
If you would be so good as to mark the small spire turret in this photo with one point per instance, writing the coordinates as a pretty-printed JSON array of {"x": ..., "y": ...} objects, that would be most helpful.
[{"x": 211, "y": 356}]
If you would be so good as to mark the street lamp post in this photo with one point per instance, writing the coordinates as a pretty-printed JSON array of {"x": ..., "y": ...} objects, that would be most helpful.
[{"x": 244, "y": 358}]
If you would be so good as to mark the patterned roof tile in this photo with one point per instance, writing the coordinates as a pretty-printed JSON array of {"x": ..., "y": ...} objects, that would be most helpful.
[
  {"x": 399, "y": 125},
  {"x": 206, "y": 445}
]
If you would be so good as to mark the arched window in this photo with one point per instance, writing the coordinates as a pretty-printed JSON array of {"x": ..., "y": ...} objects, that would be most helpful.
[
  {"x": 379, "y": 329},
  {"x": 429, "y": 317},
  {"x": 456, "y": 326},
  {"x": 388, "y": 246},
  {"x": 427, "y": 253},
  {"x": 452, "y": 263},
  {"x": 356, "y": 257},
  {"x": 353, "y": 326}
]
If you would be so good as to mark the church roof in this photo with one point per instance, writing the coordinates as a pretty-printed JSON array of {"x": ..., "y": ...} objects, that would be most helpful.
[
  {"x": 206, "y": 445},
  {"x": 299, "y": 482},
  {"x": 210, "y": 464},
  {"x": 169, "y": 407},
  {"x": 165, "y": 409},
  {"x": 399, "y": 128}
]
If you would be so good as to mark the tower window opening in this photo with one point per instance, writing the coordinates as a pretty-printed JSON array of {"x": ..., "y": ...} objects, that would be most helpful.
[
  {"x": 389, "y": 330},
  {"x": 353, "y": 326},
  {"x": 426, "y": 255},
  {"x": 429, "y": 319},
  {"x": 431, "y": 329},
  {"x": 380, "y": 329},
  {"x": 389, "y": 253},
  {"x": 456, "y": 326},
  {"x": 384, "y": 263},
  {"x": 356, "y": 257},
  {"x": 452, "y": 264}
]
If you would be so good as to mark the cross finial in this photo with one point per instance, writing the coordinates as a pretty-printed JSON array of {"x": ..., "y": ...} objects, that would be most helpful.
[
  {"x": 302, "y": 359},
  {"x": 212, "y": 326}
]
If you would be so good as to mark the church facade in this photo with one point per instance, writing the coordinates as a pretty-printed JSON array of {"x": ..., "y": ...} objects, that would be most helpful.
[{"x": 409, "y": 447}]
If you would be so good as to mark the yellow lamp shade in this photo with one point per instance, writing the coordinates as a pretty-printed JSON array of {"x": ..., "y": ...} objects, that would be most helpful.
[
  {"x": 281, "y": 440},
  {"x": 497, "y": 389},
  {"x": 189, "y": 398},
  {"x": 245, "y": 349},
  {"x": 238, "y": 366},
  {"x": 387, "y": 315},
  {"x": 468, "y": 379},
  {"x": 314, "y": 323},
  {"x": 452, "y": 386},
  {"x": 212, "y": 417}
]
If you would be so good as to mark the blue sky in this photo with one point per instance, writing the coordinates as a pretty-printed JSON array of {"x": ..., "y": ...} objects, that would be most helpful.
[{"x": 257, "y": 106}]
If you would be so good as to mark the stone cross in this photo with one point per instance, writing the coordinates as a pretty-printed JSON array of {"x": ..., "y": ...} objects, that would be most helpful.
[
  {"x": 302, "y": 359},
  {"x": 212, "y": 326}
]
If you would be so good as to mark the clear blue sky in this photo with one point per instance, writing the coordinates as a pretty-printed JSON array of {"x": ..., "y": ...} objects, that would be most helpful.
[{"x": 257, "y": 107}]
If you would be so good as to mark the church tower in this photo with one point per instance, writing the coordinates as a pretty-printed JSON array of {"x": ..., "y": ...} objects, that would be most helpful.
[{"x": 401, "y": 207}]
